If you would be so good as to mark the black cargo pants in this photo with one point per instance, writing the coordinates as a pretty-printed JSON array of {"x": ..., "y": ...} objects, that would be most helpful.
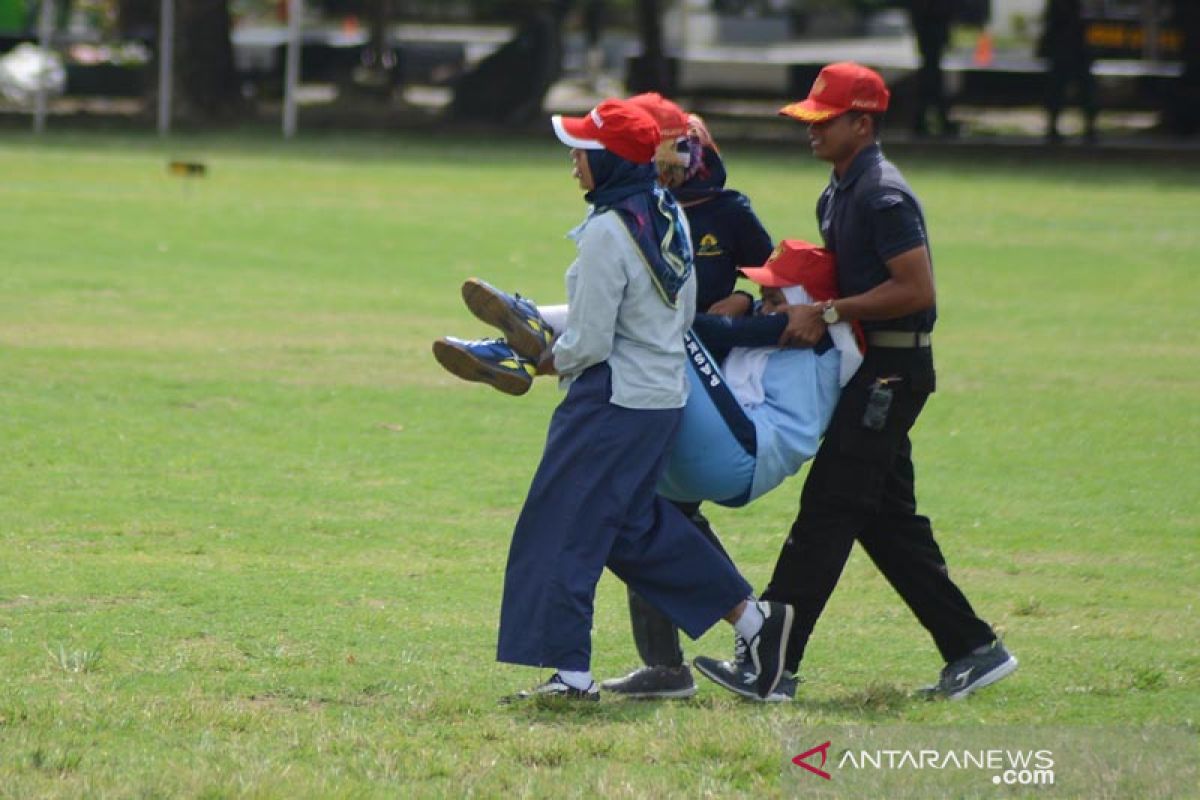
[{"x": 861, "y": 487}]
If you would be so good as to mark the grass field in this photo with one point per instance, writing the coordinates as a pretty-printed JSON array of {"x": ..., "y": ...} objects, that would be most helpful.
[{"x": 252, "y": 538}]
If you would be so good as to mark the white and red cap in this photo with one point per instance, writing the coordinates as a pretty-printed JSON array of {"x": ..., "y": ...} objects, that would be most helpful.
[{"x": 619, "y": 126}]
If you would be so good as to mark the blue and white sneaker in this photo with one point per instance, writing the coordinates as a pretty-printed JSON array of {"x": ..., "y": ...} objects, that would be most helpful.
[
  {"x": 489, "y": 361},
  {"x": 518, "y": 317}
]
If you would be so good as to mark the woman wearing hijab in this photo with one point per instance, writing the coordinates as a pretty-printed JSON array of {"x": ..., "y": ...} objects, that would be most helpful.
[
  {"x": 720, "y": 458},
  {"x": 620, "y": 357}
]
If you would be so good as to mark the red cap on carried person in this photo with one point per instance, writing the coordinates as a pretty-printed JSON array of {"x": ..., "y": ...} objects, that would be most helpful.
[
  {"x": 619, "y": 126},
  {"x": 795, "y": 262},
  {"x": 841, "y": 87}
]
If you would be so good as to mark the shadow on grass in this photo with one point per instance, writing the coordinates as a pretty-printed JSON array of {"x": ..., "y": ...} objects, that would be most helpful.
[
  {"x": 557, "y": 711},
  {"x": 873, "y": 700}
]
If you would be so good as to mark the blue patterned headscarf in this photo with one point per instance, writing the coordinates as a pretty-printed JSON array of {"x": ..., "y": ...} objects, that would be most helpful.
[{"x": 650, "y": 215}]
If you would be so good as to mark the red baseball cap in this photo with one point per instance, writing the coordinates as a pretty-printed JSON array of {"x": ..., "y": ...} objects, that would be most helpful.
[
  {"x": 795, "y": 262},
  {"x": 619, "y": 126},
  {"x": 841, "y": 87},
  {"x": 672, "y": 120}
]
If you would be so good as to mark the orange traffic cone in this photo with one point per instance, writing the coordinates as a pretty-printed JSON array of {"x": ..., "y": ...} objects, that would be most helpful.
[{"x": 983, "y": 49}]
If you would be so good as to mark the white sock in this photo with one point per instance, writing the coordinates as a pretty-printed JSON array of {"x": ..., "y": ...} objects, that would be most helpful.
[
  {"x": 750, "y": 622},
  {"x": 576, "y": 680},
  {"x": 555, "y": 316}
]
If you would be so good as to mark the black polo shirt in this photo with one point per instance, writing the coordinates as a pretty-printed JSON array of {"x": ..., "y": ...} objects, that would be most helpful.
[
  {"x": 868, "y": 216},
  {"x": 726, "y": 235}
]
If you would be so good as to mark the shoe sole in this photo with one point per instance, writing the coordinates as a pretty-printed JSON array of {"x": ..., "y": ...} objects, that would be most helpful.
[
  {"x": 673, "y": 694},
  {"x": 789, "y": 614},
  {"x": 463, "y": 364},
  {"x": 999, "y": 673},
  {"x": 775, "y": 697},
  {"x": 488, "y": 306},
  {"x": 548, "y": 700}
]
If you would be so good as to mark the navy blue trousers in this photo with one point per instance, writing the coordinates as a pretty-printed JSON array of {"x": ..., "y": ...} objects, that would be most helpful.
[{"x": 592, "y": 504}]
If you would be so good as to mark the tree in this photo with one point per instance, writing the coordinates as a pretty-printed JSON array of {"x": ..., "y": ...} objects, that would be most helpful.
[
  {"x": 204, "y": 71},
  {"x": 204, "y": 61},
  {"x": 652, "y": 71}
]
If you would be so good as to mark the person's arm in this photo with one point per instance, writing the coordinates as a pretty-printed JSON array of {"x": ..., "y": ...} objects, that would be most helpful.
[
  {"x": 909, "y": 289},
  {"x": 599, "y": 284},
  {"x": 738, "y": 304},
  {"x": 900, "y": 242},
  {"x": 720, "y": 334}
]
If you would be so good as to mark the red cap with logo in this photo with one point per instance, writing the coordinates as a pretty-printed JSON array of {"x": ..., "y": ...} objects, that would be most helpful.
[
  {"x": 796, "y": 262},
  {"x": 619, "y": 126},
  {"x": 841, "y": 87}
]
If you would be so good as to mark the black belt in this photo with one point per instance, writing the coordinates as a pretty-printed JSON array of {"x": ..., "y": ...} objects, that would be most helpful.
[
  {"x": 825, "y": 345},
  {"x": 901, "y": 340}
]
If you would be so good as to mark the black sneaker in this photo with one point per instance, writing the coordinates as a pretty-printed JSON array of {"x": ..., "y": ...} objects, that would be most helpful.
[
  {"x": 650, "y": 683},
  {"x": 768, "y": 648},
  {"x": 764, "y": 653},
  {"x": 555, "y": 689},
  {"x": 740, "y": 678},
  {"x": 971, "y": 673}
]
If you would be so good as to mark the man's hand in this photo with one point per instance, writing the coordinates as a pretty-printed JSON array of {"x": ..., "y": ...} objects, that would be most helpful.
[
  {"x": 737, "y": 304},
  {"x": 805, "y": 326}
]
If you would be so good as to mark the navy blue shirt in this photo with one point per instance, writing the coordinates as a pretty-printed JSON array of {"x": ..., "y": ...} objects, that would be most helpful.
[
  {"x": 868, "y": 216},
  {"x": 726, "y": 234}
]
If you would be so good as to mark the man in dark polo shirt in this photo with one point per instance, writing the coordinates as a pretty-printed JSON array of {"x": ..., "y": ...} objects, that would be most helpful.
[{"x": 861, "y": 483}]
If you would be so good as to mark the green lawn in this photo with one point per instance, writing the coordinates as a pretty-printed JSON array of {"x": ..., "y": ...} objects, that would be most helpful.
[{"x": 252, "y": 538}]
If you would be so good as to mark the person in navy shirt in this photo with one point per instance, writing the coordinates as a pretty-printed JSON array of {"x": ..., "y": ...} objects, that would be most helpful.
[{"x": 861, "y": 484}]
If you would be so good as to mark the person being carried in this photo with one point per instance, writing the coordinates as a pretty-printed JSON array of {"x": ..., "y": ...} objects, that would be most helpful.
[{"x": 754, "y": 414}]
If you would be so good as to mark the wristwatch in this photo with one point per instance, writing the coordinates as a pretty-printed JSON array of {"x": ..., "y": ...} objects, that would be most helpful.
[{"x": 829, "y": 313}]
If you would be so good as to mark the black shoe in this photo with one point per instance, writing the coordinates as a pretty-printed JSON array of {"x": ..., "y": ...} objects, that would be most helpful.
[
  {"x": 739, "y": 677},
  {"x": 785, "y": 690},
  {"x": 764, "y": 655},
  {"x": 555, "y": 689},
  {"x": 650, "y": 683},
  {"x": 768, "y": 648},
  {"x": 971, "y": 673}
]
